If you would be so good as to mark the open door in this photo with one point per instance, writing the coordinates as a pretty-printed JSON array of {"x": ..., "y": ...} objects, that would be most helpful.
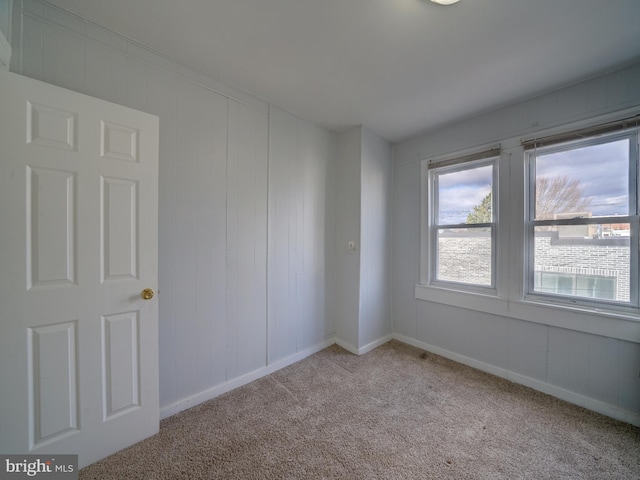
[{"x": 78, "y": 246}]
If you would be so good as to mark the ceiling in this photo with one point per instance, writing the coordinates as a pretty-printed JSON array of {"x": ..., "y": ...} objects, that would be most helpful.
[{"x": 398, "y": 67}]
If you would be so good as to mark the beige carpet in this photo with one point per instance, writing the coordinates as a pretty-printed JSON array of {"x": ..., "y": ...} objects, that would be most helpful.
[{"x": 393, "y": 413}]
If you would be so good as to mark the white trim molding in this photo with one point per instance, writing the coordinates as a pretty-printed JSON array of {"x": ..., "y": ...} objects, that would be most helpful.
[
  {"x": 364, "y": 349},
  {"x": 375, "y": 344},
  {"x": 347, "y": 346}
]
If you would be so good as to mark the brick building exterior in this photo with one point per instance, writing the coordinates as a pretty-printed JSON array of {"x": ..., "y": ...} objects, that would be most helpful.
[{"x": 465, "y": 257}]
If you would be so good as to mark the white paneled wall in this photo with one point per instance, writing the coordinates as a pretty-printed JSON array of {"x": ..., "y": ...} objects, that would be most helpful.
[
  {"x": 217, "y": 190},
  {"x": 360, "y": 293},
  {"x": 375, "y": 240},
  {"x": 345, "y": 292},
  {"x": 299, "y": 174},
  {"x": 592, "y": 370}
]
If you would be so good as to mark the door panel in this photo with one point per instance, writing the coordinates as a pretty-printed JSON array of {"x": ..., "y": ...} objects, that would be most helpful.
[
  {"x": 53, "y": 382},
  {"x": 119, "y": 215},
  {"x": 78, "y": 209},
  {"x": 51, "y": 227}
]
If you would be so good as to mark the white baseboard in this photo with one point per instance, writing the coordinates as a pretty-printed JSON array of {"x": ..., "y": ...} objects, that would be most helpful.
[
  {"x": 347, "y": 346},
  {"x": 218, "y": 390},
  {"x": 558, "y": 392},
  {"x": 367, "y": 348},
  {"x": 375, "y": 344}
]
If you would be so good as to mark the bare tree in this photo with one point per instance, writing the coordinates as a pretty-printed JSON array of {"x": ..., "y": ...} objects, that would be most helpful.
[
  {"x": 559, "y": 195},
  {"x": 554, "y": 195}
]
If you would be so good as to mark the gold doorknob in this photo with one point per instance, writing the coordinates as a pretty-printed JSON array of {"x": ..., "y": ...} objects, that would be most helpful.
[{"x": 147, "y": 294}]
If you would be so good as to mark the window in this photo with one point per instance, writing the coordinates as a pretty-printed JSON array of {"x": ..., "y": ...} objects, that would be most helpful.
[
  {"x": 576, "y": 284},
  {"x": 582, "y": 220},
  {"x": 462, "y": 222}
]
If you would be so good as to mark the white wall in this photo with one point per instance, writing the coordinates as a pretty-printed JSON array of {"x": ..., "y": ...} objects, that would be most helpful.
[
  {"x": 346, "y": 288},
  {"x": 299, "y": 174},
  {"x": 225, "y": 202},
  {"x": 375, "y": 240},
  {"x": 598, "y": 371},
  {"x": 361, "y": 290}
]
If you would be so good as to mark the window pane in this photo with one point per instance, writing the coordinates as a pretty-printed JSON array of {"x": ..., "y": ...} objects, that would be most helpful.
[
  {"x": 464, "y": 196},
  {"x": 464, "y": 256},
  {"x": 589, "y": 266},
  {"x": 591, "y": 181}
]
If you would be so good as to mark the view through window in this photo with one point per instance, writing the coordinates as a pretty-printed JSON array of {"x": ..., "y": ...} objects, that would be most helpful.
[
  {"x": 582, "y": 206},
  {"x": 463, "y": 227}
]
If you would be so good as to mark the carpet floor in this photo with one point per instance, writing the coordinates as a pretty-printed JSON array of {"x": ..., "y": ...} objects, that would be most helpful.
[{"x": 394, "y": 413}]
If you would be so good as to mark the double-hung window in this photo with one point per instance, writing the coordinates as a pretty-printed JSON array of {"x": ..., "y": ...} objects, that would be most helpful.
[
  {"x": 582, "y": 219},
  {"x": 462, "y": 222}
]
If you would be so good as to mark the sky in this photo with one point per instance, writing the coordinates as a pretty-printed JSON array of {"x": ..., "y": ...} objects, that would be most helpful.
[
  {"x": 460, "y": 191},
  {"x": 602, "y": 170}
]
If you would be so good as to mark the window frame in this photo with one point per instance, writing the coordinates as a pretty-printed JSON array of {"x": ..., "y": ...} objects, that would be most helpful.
[
  {"x": 632, "y": 218},
  {"x": 434, "y": 169}
]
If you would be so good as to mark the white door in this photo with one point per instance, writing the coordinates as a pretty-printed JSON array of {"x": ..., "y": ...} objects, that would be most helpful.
[{"x": 78, "y": 245}]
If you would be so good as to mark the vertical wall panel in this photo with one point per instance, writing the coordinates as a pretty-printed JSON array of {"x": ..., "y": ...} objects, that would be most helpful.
[
  {"x": 162, "y": 101},
  {"x": 404, "y": 256},
  {"x": 210, "y": 237},
  {"x": 298, "y": 179},
  {"x": 527, "y": 349},
  {"x": 63, "y": 59},
  {"x": 282, "y": 155},
  {"x": 218, "y": 131},
  {"x": 185, "y": 231},
  {"x": 246, "y": 238},
  {"x": 204, "y": 248},
  {"x": 603, "y": 369},
  {"x": 567, "y": 359},
  {"x": 435, "y": 326},
  {"x": 136, "y": 84},
  {"x": 96, "y": 70},
  {"x": 628, "y": 375},
  {"x": 32, "y": 54},
  {"x": 117, "y": 78},
  {"x": 346, "y": 288},
  {"x": 375, "y": 239},
  {"x": 232, "y": 282}
]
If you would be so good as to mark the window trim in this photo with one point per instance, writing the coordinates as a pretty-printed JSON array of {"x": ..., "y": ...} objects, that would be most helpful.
[
  {"x": 632, "y": 218},
  {"x": 431, "y": 169}
]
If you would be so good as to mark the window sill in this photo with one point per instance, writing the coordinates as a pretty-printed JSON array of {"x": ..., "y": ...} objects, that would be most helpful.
[{"x": 607, "y": 323}]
